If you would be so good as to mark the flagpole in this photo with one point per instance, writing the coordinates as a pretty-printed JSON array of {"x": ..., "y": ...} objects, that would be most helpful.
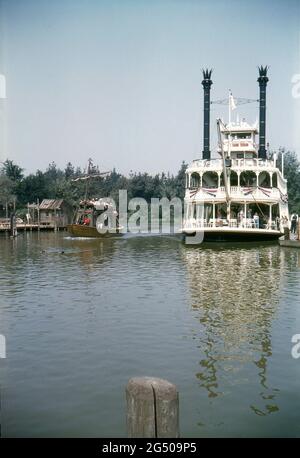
[
  {"x": 228, "y": 155},
  {"x": 229, "y": 108},
  {"x": 229, "y": 121}
]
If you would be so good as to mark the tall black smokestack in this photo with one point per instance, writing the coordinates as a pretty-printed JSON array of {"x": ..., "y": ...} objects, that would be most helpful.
[
  {"x": 263, "y": 80},
  {"x": 206, "y": 83}
]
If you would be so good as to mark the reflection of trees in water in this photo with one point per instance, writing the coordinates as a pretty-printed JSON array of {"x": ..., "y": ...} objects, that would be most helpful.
[{"x": 235, "y": 295}]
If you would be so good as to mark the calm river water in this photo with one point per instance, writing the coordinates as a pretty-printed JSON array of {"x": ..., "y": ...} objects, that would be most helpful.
[{"x": 215, "y": 320}]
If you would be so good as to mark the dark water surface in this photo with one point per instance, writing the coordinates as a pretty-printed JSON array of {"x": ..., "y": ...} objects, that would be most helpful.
[{"x": 217, "y": 321}]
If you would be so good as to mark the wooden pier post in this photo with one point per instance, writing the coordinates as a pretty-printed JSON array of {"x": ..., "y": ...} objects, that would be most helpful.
[
  {"x": 286, "y": 233},
  {"x": 152, "y": 408},
  {"x": 13, "y": 225}
]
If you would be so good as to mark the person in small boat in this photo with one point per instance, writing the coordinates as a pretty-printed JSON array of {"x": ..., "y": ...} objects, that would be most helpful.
[{"x": 86, "y": 221}]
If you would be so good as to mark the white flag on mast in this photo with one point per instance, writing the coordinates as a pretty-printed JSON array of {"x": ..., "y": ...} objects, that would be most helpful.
[{"x": 232, "y": 104}]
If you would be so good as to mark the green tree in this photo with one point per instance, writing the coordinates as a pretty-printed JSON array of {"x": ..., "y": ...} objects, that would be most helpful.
[
  {"x": 292, "y": 174},
  {"x": 32, "y": 187},
  {"x": 69, "y": 171},
  {"x": 12, "y": 170},
  {"x": 180, "y": 181},
  {"x": 7, "y": 196}
]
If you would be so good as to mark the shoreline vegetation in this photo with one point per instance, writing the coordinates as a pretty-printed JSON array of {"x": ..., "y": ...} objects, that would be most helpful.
[{"x": 18, "y": 189}]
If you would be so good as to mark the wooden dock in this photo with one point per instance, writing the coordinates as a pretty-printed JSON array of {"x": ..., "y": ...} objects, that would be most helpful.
[
  {"x": 5, "y": 227},
  {"x": 290, "y": 243}
]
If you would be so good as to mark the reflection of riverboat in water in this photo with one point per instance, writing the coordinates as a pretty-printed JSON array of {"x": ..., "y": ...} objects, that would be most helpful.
[
  {"x": 95, "y": 218},
  {"x": 242, "y": 195},
  {"x": 236, "y": 317}
]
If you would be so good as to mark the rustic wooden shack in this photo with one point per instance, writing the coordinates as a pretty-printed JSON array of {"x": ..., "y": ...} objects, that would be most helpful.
[{"x": 55, "y": 213}]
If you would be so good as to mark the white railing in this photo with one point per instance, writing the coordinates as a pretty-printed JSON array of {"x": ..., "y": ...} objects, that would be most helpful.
[
  {"x": 205, "y": 163},
  {"x": 245, "y": 223},
  {"x": 236, "y": 163},
  {"x": 252, "y": 162},
  {"x": 242, "y": 192},
  {"x": 247, "y": 144}
]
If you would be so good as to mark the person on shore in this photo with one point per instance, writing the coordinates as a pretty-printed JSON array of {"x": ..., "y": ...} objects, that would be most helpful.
[{"x": 294, "y": 220}]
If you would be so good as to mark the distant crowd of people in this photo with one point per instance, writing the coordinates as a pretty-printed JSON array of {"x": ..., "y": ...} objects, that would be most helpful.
[{"x": 260, "y": 221}]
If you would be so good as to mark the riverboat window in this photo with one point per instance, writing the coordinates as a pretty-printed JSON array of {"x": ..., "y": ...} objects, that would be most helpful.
[
  {"x": 195, "y": 180},
  {"x": 243, "y": 136},
  {"x": 240, "y": 155}
]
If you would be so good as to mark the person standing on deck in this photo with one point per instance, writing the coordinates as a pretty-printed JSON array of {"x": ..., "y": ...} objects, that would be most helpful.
[
  {"x": 294, "y": 220},
  {"x": 240, "y": 217}
]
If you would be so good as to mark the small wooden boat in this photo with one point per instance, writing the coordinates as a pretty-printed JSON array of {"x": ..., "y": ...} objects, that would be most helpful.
[
  {"x": 79, "y": 230},
  {"x": 95, "y": 218}
]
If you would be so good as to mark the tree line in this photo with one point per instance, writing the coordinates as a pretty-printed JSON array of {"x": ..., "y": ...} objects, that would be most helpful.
[{"x": 18, "y": 189}]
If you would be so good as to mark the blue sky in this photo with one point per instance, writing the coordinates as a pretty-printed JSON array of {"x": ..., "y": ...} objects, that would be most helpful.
[{"x": 120, "y": 81}]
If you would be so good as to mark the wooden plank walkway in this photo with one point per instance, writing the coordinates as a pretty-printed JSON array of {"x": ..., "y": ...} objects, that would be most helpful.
[{"x": 5, "y": 227}]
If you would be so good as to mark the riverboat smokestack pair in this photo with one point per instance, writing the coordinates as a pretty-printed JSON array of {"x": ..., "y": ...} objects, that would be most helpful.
[{"x": 206, "y": 83}]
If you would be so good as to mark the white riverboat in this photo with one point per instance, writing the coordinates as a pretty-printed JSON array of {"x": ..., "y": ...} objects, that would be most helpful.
[{"x": 242, "y": 195}]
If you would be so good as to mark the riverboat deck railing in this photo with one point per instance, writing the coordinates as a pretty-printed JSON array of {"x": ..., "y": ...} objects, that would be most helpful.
[
  {"x": 242, "y": 192},
  {"x": 245, "y": 223},
  {"x": 236, "y": 163}
]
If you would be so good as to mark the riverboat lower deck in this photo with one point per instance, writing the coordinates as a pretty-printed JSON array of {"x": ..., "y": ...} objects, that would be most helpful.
[{"x": 232, "y": 234}]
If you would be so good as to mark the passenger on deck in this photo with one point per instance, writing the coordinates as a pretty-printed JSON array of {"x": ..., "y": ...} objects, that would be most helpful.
[
  {"x": 240, "y": 217},
  {"x": 278, "y": 222},
  {"x": 256, "y": 220}
]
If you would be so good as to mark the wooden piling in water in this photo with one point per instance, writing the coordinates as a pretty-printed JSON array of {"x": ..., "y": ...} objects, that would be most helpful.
[
  {"x": 286, "y": 233},
  {"x": 13, "y": 225},
  {"x": 152, "y": 408}
]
